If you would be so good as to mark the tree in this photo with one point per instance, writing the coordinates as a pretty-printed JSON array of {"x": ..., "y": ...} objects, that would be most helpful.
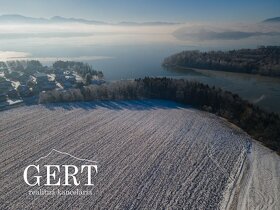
[{"x": 88, "y": 78}]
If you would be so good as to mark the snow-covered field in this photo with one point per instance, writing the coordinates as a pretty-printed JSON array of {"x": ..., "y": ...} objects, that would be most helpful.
[
  {"x": 260, "y": 186},
  {"x": 151, "y": 154}
]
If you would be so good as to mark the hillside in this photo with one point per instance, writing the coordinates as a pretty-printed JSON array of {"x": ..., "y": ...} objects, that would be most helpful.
[
  {"x": 262, "y": 61},
  {"x": 152, "y": 154}
]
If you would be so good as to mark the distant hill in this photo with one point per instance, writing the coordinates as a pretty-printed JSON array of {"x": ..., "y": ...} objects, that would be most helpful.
[
  {"x": 15, "y": 18},
  {"x": 55, "y": 19},
  {"x": 147, "y": 23},
  {"x": 272, "y": 20},
  {"x": 77, "y": 20},
  {"x": 21, "y": 19}
]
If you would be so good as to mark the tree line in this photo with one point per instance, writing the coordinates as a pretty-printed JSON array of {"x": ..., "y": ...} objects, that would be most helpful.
[
  {"x": 261, "y": 125},
  {"x": 263, "y": 60}
]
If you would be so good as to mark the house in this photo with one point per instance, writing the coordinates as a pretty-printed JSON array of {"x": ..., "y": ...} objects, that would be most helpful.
[
  {"x": 60, "y": 78},
  {"x": 71, "y": 79},
  {"x": 40, "y": 77},
  {"x": 13, "y": 94},
  {"x": 43, "y": 82},
  {"x": 23, "y": 90},
  {"x": 67, "y": 84},
  {"x": 5, "y": 86},
  {"x": 50, "y": 85},
  {"x": 66, "y": 81},
  {"x": 43, "y": 86},
  {"x": 69, "y": 73},
  {"x": 3, "y": 97},
  {"x": 23, "y": 79}
]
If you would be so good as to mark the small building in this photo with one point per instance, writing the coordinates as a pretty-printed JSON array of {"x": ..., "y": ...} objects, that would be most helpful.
[
  {"x": 13, "y": 94},
  {"x": 43, "y": 82},
  {"x": 69, "y": 73},
  {"x": 5, "y": 86},
  {"x": 60, "y": 77},
  {"x": 23, "y": 90},
  {"x": 71, "y": 79},
  {"x": 67, "y": 84},
  {"x": 3, "y": 97},
  {"x": 40, "y": 77},
  {"x": 50, "y": 85},
  {"x": 23, "y": 79}
]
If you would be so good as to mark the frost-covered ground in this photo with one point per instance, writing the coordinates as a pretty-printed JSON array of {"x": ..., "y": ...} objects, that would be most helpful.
[
  {"x": 151, "y": 154},
  {"x": 260, "y": 186}
]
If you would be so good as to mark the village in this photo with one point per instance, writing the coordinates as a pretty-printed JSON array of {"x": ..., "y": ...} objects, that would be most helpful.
[{"x": 22, "y": 81}]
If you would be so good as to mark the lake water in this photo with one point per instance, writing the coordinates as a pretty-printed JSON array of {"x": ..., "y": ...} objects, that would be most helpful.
[
  {"x": 134, "y": 62},
  {"x": 128, "y": 61}
]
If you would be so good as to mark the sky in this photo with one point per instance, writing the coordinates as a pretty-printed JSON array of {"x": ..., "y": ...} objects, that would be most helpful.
[
  {"x": 203, "y": 24},
  {"x": 146, "y": 10}
]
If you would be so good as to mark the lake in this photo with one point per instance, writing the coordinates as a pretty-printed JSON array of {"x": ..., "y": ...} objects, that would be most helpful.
[
  {"x": 122, "y": 60},
  {"x": 141, "y": 61}
]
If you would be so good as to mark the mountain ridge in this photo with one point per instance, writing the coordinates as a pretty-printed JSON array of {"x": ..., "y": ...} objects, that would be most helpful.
[{"x": 16, "y": 18}]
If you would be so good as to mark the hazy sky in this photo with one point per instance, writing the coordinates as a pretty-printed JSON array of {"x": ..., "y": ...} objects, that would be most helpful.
[{"x": 146, "y": 10}]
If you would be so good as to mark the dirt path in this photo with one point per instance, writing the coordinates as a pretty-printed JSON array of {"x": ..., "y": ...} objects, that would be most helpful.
[{"x": 260, "y": 187}]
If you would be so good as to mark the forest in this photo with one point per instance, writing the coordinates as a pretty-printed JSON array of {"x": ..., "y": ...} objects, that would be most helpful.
[
  {"x": 263, "y": 60},
  {"x": 261, "y": 125}
]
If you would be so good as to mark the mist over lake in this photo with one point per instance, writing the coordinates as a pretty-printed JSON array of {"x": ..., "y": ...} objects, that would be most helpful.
[{"x": 133, "y": 51}]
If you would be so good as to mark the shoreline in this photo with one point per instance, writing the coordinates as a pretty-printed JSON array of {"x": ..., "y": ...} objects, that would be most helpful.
[{"x": 217, "y": 71}]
